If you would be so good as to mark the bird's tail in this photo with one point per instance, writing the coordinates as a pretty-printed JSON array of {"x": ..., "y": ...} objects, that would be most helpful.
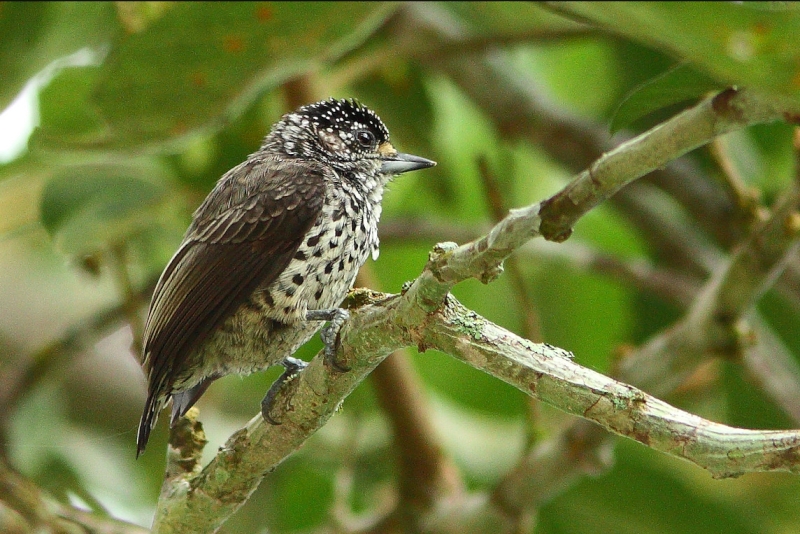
[{"x": 152, "y": 408}]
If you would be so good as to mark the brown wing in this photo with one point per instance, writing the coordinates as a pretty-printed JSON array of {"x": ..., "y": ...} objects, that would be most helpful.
[{"x": 243, "y": 235}]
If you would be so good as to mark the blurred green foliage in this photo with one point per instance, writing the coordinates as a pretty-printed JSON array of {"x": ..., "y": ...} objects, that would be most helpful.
[{"x": 174, "y": 94}]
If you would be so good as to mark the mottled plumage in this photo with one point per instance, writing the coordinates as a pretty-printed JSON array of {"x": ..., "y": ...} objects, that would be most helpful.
[{"x": 283, "y": 233}]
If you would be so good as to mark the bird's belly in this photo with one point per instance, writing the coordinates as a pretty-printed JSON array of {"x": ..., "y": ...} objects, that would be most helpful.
[
  {"x": 323, "y": 269},
  {"x": 271, "y": 324},
  {"x": 248, "y": 341}
]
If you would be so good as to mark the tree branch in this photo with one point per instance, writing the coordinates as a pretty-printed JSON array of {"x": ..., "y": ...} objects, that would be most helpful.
[
  {"x": 425, "y": 316},
  {"x": 381, "y": 324},
  {"x": 425, "y": 473},
  {"x": 26, "y": 508},
  {"x": 713, "y": 323},
  {"x": 548, "y": 373}
]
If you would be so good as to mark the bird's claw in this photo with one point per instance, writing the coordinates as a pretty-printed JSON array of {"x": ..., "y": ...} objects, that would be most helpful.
[
  {"x": 330, "y": 333},
  {"x": 293, "y": 367}
]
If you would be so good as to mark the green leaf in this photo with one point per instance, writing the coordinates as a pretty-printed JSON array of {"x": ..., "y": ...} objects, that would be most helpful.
[
  {"x": 734, "y": 44},
  {"x": 66, "y": 118},
  {"x": 201, "y": 60},
  {"x": 33, "y": 34},
  {"x": 677, "y": 85},
  {"x": 88, "y": 207}
]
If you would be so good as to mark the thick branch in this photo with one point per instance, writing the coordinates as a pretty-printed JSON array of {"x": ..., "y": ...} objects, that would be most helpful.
[
  {"x": 383, "y": 324},
  {"x": 202, "y": 502},
  {"x": 549, "y": 373}
]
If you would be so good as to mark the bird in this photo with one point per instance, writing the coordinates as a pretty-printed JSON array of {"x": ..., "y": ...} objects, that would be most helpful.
[{"x": 269, "y": 255}]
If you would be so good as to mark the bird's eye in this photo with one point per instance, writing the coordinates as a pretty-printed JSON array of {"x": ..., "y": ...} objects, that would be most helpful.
[{"x": 365, "y": 138}]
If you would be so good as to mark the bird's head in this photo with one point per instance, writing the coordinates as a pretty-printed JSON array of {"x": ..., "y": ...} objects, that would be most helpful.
[{"x": 345, "y": 135}]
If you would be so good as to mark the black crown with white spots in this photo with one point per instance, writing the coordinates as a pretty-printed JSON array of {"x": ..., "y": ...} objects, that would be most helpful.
[{"x": 337, "y": 132}]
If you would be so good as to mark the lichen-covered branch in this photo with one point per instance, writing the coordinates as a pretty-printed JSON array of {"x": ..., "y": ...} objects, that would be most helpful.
[
  {"x": 549, "y": 373},
  {"x": 202, "y": 502},
  {"x": 383, "y": 323},
  {"x": 424, "y": 316}
]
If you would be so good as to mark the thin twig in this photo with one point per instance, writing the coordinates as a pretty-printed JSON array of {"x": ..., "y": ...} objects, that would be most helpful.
[
  {"x": 745, "y": 198},
  {"x": 531, "y": 326}
]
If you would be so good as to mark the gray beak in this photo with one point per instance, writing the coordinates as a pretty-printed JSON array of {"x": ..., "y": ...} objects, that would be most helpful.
[{"x": 400, "y": 163}]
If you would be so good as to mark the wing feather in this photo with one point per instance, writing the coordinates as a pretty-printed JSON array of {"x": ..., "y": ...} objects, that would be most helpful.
[{"x": 242, "y": 237}]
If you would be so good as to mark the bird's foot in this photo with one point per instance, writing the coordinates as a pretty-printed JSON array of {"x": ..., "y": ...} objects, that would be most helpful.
[
  {"x": 293, "y": 367},
  {"x": 329, "y": 334}
]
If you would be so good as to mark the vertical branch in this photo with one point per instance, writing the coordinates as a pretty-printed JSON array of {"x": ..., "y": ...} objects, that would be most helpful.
[
  {"x": 773, "y": 368},
  {"x": 745, "y": 199},
  {"x": 425, "y": 472},
  {"x": 300, "y": 91},
  {"x": 494, "y": 197},
  {"x": 531, "y": 325}
]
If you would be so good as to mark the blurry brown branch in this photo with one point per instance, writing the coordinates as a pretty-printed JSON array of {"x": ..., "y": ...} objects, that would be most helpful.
[
  {"x": 531, "y": 327},
  {"x": 516, "y": 105},
  {"x": 429, "y": 230},
  {"x": 357, "y": 67},
  {"x": 20, "y": 376},
  {"x": 744, "y": 198},
  {"x": 425, "y": 473},
  {"x": 26, "y": 508},
  {"x": 770, "y": 364},
  {"x": 714, "y": 322},
  {"x": 669, "y": 285},
  {"x": 132, "y": 300}
]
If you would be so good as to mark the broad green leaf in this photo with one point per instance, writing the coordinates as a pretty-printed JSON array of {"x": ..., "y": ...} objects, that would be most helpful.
[
  {"x": 86, "y": 208},
  {"x": 65, "y": 115},
  {"x": 735, "y": 44},
  {"x": 677, "y": 85},
  {"x": 201, "y": 60},
  {"x": 33, "y": 34}
]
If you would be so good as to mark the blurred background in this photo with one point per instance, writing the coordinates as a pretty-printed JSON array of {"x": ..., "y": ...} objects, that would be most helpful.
[{"x": 120, "y": 117}]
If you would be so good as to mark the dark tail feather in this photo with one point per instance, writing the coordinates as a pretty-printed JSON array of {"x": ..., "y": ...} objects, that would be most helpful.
[
  {"x": 149, "y": 417},
  {"x": 182, "y": 401}
]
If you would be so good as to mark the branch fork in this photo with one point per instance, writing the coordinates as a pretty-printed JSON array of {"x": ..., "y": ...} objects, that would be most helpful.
[{"x": 425, "y": 315}]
